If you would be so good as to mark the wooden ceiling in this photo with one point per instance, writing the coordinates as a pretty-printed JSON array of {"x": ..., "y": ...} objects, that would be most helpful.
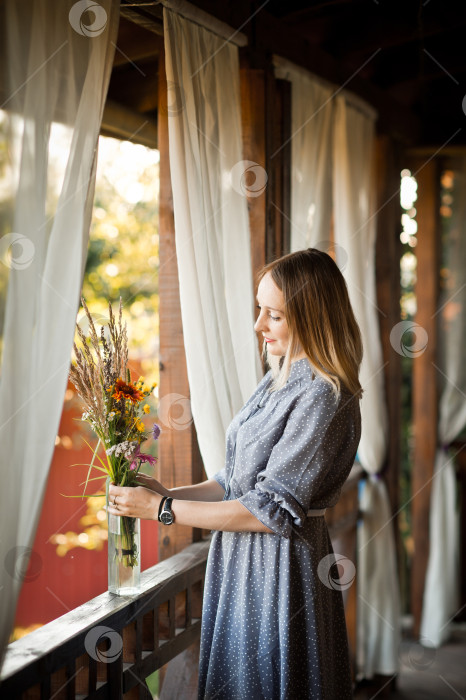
[
  {"x": 404, "y": 57},
  {"x": 411, "y": 50}
]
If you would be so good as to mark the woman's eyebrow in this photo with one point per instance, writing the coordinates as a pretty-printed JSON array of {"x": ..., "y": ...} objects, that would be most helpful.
[{"x": 270, "y": 307}]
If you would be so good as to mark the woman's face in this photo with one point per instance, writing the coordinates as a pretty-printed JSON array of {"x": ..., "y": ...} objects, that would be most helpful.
[{"x": 271, "y": 321}]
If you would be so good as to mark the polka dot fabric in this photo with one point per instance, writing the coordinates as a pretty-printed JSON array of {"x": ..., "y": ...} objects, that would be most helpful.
[{"x": 271, "y": 629}]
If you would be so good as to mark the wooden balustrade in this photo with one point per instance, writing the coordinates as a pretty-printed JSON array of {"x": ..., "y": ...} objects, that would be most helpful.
[
  {"x": 107, "y": 647},
  {"x": 72, "y": 658}
]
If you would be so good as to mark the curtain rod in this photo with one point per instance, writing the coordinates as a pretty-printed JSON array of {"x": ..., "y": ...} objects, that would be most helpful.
[{"x": 198, "y": 16}]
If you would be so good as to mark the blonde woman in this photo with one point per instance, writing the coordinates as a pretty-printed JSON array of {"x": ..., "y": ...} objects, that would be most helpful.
[{"x": 273, "y": 626}]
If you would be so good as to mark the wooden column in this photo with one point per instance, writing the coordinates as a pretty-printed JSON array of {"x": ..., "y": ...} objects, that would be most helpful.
[
  {"x": 388, "y": 254},
  {"x": 425, "y": 399},
  {"x": 180, "y": 461},
  {"x": 278, "y": 132},
  {"x": 252, "y": 83}
]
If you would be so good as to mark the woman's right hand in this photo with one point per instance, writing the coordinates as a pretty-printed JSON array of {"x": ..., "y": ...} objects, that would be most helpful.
[{"x": 150, "y": 483}]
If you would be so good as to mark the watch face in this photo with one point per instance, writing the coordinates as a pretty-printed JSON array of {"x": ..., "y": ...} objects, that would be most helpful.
[{"x": 166, "y": 517}]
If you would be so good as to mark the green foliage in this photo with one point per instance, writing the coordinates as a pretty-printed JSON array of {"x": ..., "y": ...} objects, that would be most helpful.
[{"x": 123, "y": 254}]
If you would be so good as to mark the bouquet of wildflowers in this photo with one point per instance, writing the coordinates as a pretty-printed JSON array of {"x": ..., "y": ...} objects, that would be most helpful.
[{"x": 114, "y": 407}]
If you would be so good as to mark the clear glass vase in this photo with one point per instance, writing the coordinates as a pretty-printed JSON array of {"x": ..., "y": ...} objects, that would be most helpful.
[{"x": 124, "y": 553}]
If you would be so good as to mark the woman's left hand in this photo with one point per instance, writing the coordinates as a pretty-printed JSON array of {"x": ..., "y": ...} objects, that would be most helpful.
[{"x": 133, "y": 501}]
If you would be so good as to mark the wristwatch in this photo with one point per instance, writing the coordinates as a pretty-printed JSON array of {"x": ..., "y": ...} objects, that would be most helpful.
[{"x": 166, "y": 516}]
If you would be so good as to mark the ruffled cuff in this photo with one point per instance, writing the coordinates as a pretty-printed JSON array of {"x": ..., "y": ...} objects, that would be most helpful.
[
  {"x": 280, "y": 513},
  {"x": 220, "y": 477}
]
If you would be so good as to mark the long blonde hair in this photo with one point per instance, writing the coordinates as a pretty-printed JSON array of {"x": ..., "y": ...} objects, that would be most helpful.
[{"x": 320, "y": 320}]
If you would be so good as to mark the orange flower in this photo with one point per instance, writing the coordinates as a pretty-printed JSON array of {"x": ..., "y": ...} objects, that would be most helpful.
[{"x": 127, "y": 391}]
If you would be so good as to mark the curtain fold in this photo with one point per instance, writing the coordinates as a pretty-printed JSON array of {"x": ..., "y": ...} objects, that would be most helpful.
[
  {"x": 378, "y": 594},
  {"x": 441, "y": 595},
  {"x": 311, "y": 156},
  {"x": 57, "y": 65},
  {"x": 211, "y": 229}
]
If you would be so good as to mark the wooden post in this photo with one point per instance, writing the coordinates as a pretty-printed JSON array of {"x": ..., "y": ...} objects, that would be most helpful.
[
  {"x": 180, "y": 460},
  {"x": 425, "y": 399},
  {"x": 253, "y": 118},
  {"x": 278, "y": 159},
  {"x": 388, "y": 254}
]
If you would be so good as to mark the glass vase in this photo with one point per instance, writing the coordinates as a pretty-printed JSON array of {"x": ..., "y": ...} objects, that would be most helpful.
[{"x": 124, "y": 553}]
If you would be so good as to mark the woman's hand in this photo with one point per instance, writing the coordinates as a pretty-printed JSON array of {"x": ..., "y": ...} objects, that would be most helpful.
[
  {"x": 133, "y": 501},
  {"x": 150, "y": 483}
]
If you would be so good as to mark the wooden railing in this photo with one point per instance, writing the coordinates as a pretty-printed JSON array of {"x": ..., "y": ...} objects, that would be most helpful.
[{"x": 108, "y": 646}]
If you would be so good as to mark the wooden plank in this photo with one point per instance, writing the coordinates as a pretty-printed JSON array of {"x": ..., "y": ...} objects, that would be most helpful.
[
  {"x": 342, "y": 523},
  {"x": 71, "y": 680},
  {"x": 64, "y": 637},
  {"x": 115, "y": 678},
  {"x": 425, "y": 399},
  {"x": 171, "y": 617},
  {"x": 278, "y": 159},
  {"x": 151, "y": 18},
  {"x": 92, "y": 674},
  {"x": 188, "y": 618},
  {"x": 179, "y": 458},
  {"x": 388, "y": 254},
  {"x": 123, "y": 123},
  {"x": 253, "y": 123}
]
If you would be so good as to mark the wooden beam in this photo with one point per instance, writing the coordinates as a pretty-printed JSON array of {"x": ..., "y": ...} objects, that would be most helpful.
[
  {"x": 151, "y": 18},
  {"x": 425, "y": 398},
  {"x": 123, "y": 123}
]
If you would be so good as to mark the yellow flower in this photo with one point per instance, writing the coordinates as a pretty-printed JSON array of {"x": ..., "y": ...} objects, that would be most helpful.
[
  {"x": 146, "y": 408},
  {"x": 140, "y": 426}
]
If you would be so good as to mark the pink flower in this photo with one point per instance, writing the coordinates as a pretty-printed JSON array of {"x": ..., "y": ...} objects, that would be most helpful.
[{"x": 138, "y": 455}]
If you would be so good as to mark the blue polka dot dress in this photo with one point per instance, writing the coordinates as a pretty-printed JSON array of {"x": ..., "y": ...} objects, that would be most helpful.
[{"x": 273, "y": 626}]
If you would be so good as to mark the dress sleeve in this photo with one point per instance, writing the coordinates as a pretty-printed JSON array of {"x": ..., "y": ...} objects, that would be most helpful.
[
  {"x": 220, "y": 476},
  {"x": 298, "y": 462}
]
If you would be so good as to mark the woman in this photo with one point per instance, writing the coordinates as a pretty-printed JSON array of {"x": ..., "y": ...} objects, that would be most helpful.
[{"x": 273, "y": 624}]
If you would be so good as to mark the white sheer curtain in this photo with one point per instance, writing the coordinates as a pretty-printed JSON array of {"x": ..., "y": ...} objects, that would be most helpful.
[
  {"x": 378, "y": 595},
  {"x": 441, "y": 587},
  {"x": 211, "y": 229},
  {"x": 311, "y": 155},
  {"x": 56, "y": 67}
]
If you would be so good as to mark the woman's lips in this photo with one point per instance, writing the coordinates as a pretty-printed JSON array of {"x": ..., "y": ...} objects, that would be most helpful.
[{"x": 269, "y": 340}]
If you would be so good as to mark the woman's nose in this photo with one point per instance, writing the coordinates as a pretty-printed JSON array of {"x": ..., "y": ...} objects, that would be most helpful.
[{"x": 259, "y": 324}]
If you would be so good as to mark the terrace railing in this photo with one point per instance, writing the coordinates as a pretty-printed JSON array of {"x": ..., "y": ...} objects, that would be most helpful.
[{"x": 107, "y": 647}]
